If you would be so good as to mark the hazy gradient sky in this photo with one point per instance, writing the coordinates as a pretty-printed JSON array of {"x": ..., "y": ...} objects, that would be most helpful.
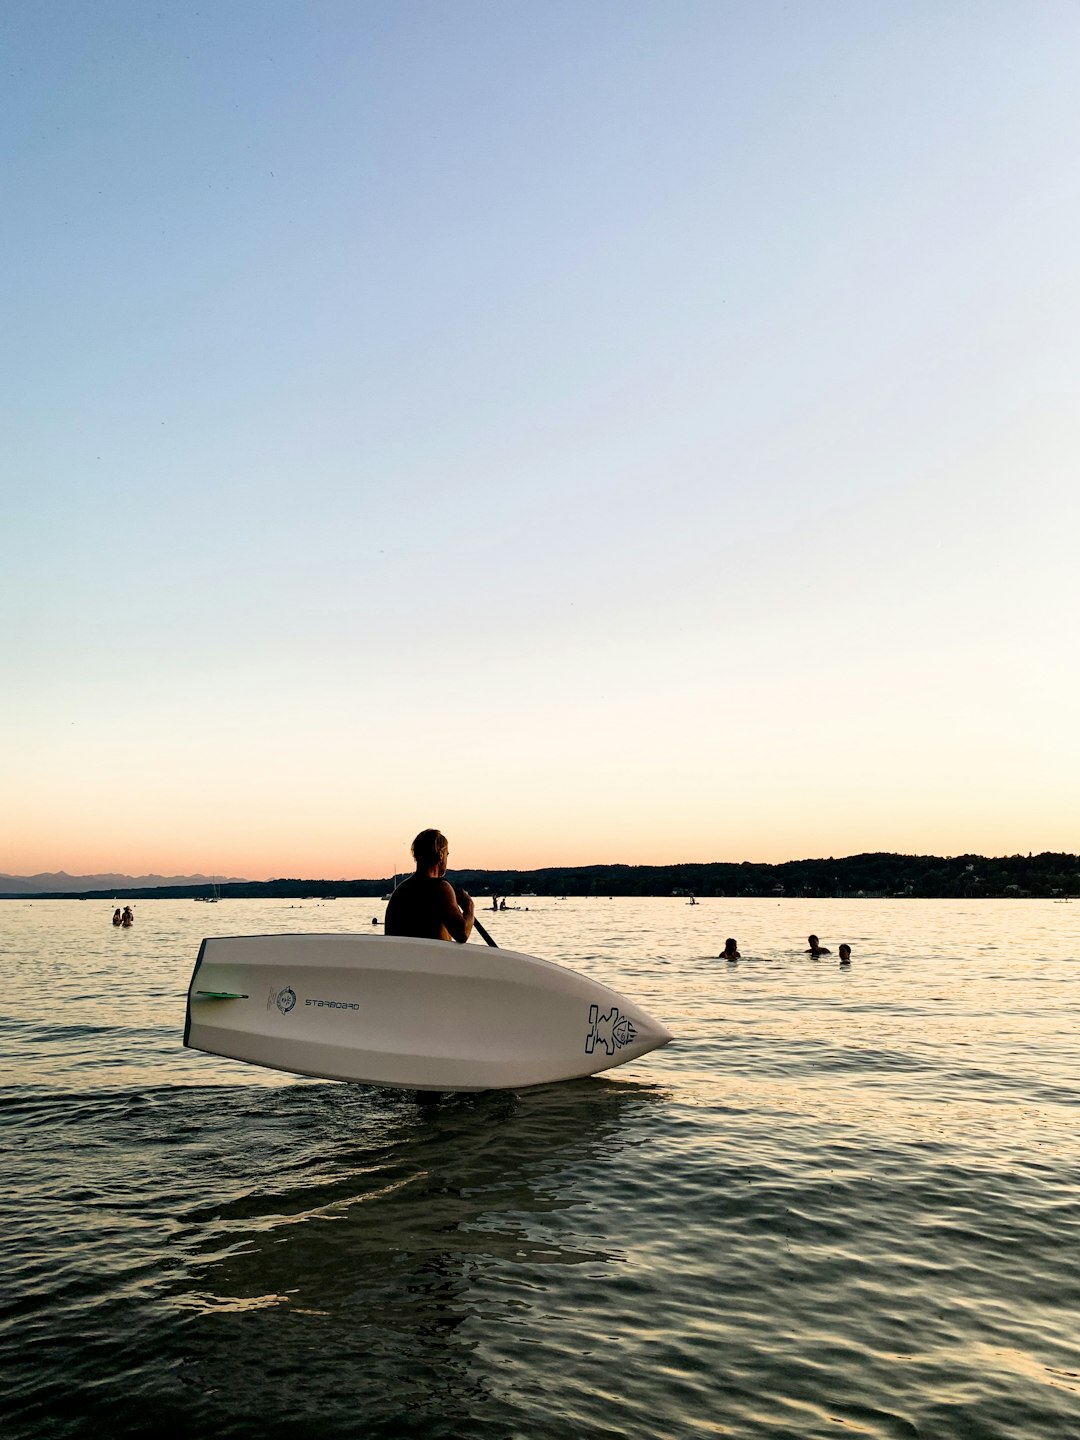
[{"x": 607, "y": 431}]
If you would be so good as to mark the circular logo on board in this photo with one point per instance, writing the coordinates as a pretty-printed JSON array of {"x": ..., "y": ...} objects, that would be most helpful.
[{"x": 286, "y": 999}]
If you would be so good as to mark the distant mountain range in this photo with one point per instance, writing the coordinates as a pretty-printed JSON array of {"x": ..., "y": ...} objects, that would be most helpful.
[{"x": 62, "y": 882}]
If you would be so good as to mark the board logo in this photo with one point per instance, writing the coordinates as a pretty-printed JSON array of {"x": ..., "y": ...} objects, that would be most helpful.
[
  {"x": 286, "y": 999},
  {"x": 612, "y": 1030}
]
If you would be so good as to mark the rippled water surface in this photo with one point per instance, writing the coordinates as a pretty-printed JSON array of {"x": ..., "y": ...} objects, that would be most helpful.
[{"x": 843, "y": 1203}]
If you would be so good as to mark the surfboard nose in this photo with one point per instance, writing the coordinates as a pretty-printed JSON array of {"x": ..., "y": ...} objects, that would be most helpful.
[
  {"x": 661, "y": 1035},
  {"x": 651, "y": 1034}
]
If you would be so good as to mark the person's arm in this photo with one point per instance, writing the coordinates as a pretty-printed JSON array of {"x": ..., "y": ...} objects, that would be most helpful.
[{"x": 458, "y": 911}]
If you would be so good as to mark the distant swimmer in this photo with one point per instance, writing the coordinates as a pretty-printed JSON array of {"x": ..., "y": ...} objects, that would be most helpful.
[
  {"x": 128, "y": 917},
  {"x": 816, "y": 948},
  {"x": 730, "y": 951},
  {"x": 845, "y": 954},
  {"x": 426, "y": 905},
  {"x": 117, "y": 918}
]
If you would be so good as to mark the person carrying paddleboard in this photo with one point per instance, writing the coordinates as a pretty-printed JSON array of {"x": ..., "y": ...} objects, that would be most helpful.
[{"x": 427, "y": 906}]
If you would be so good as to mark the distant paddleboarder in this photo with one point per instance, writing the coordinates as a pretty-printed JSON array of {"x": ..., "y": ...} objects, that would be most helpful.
[{"x": 426, "y": 905}]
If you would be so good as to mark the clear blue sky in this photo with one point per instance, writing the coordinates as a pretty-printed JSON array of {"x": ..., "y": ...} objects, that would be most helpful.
[{"x": 610, "y": 432}]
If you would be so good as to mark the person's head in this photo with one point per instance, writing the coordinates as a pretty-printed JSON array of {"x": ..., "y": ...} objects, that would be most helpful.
[
  {"x": 430, "y": 849},
  {"x": 730, "y": 944},
  {"x": 845, "y": 952},
  {"x": 812, "y": 940}
]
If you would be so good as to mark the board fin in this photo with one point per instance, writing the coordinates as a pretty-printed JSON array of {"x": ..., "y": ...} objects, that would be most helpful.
[{"x": 221, "y": 995}]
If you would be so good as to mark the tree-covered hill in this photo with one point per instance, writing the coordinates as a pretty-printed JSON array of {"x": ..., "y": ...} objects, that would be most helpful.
[{"x": 1048, "y": 875}]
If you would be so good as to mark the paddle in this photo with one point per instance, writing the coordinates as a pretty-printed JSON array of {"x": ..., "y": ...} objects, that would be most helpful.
[
  {"x": 476, "y": 923},
  {"x": 477, "y": 926}
]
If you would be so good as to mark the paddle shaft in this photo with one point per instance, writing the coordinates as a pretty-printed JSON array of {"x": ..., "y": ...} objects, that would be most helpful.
[{"x": 483, "y": 933}]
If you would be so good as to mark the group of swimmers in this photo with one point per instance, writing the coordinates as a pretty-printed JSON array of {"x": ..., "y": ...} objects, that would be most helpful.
[
  {"x": 124, "y": 917},
  {"x": 814, "y": 948}
]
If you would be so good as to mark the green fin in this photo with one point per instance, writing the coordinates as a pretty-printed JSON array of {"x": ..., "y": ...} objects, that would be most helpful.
[{"x": 220, "y": 995}]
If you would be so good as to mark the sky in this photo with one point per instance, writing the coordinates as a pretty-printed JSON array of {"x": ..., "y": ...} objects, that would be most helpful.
[{"x": 610, "y": 432}]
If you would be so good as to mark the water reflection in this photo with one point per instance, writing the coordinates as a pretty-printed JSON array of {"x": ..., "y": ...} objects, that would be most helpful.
[
  {"x": 385, "y": 1241},
  {"x": 850, "y": 1208}
]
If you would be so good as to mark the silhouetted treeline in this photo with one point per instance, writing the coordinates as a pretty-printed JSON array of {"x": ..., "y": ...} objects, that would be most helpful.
[{"x": 877, "y": 875}]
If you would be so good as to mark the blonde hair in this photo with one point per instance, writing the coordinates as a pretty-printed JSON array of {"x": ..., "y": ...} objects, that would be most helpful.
[{"x": 430, "y": 847}]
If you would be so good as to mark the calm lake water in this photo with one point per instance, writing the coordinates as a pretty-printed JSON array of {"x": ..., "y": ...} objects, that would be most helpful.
[{"x": 843, "y": 1203}]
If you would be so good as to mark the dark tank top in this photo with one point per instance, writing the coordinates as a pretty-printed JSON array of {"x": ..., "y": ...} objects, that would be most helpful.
[{"x": 418, "y": 907}]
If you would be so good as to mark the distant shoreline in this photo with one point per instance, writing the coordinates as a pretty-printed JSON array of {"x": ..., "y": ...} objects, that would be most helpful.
[{"x": 878, "y": 876}]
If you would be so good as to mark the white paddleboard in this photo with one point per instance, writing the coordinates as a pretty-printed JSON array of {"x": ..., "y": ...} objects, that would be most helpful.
[{"x": 414, "y": 1014}]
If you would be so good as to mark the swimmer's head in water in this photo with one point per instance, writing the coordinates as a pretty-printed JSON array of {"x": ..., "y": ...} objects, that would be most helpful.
[
  {"x": 812, "y": 940},
  {"x": 845, "y": 952},
  {"x": 430, "y": 847}
]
